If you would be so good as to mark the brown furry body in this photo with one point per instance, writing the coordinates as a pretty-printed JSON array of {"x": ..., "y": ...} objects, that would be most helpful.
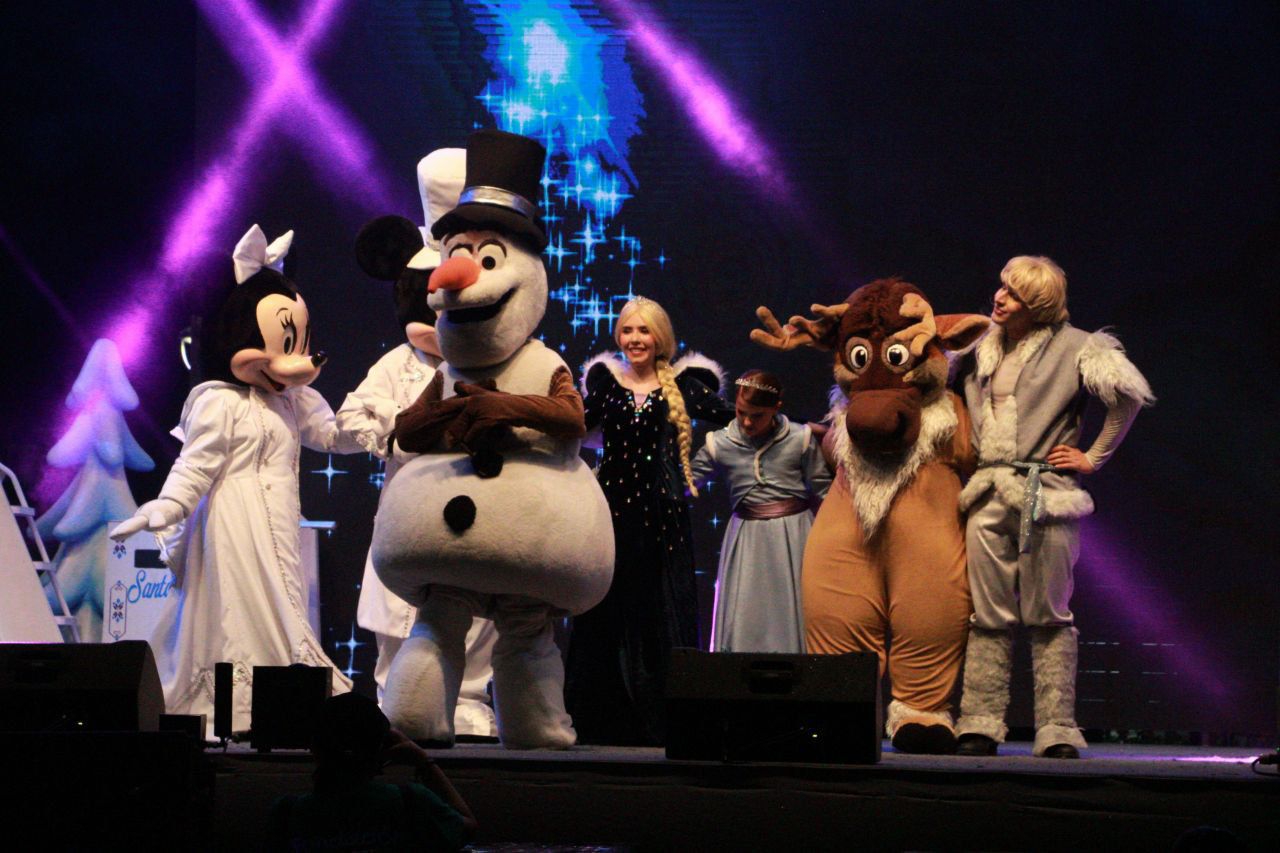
[{"x": 884, "y": 567}]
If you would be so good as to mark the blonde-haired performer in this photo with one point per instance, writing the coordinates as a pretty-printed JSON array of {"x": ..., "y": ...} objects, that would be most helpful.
[
  {"x": 1024, "y": 385},
  {"x": 1040, "y": 285},
  {"x": 642, "y": 403}
]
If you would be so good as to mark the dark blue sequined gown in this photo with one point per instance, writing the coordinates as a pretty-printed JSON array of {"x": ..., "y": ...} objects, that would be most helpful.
[{"x": 618, "y": 651}]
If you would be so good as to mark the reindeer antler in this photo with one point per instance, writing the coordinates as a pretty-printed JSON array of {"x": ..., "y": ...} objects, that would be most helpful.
[
  {"x": 917, "y": 335},
  {"x": 799, "y": 331},
  {"x": 774, "y": 335}
]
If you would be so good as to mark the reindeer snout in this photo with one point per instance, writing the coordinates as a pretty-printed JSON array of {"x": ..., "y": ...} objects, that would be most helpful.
[
  {"x": 454, "y": 274},
  {"x": 884, "y": 422}
]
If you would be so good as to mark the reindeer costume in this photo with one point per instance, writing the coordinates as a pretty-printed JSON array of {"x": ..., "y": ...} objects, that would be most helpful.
[{"x": 884, "y": 567}]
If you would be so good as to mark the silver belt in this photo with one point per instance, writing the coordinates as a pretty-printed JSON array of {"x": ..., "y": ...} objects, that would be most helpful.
[{"x": 1032, "y": 496}]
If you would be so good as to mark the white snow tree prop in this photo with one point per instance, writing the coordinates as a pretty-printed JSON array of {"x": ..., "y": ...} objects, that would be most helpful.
[{"x": 100, "y": 444}]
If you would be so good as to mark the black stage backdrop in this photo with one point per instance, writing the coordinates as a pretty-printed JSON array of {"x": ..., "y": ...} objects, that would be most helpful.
[{"x": 1135, "y": 143}]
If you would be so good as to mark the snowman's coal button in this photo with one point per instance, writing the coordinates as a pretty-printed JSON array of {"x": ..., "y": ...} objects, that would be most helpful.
[
  {"x": 486, "y": 463},
  {"x": 460, "y": 513}
]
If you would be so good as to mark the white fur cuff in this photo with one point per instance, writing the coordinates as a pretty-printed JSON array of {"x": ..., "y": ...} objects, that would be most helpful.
[
  {"x": 1047, "y": 736},
  {"x": 986, "y": 726},
  {"x": 900, "y": 713}
]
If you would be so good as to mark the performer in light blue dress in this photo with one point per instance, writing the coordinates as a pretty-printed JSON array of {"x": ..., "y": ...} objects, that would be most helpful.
[{"x": 775, "y": 471}]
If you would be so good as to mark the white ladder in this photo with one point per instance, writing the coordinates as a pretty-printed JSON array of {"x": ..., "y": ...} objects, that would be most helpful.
[{"x": 24, "y": 513}]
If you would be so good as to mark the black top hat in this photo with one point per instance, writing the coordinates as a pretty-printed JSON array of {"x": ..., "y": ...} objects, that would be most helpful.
[{"x": 504, "y": 171}]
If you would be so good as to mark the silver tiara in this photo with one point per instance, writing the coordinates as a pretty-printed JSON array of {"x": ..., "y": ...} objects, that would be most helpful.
[{"x": 759, "y": 386}]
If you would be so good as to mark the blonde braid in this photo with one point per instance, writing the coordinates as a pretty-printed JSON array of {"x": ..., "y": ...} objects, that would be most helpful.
[{"x": 679, "y": 418}]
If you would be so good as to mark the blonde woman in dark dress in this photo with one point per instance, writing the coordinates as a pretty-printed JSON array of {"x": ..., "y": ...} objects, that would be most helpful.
[{"x": 643, "y": 403}]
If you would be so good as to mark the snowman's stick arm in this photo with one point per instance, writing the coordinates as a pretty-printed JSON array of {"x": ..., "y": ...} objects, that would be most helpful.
[
  {"x": 420, "y": 428},
  {"x": 559, "y": 413}
]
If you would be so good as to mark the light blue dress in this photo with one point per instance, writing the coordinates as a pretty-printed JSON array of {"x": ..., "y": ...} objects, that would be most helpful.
[{"x": 757, "y": 607}]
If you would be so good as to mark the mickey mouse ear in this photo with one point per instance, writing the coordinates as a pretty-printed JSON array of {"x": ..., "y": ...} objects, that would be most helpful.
[{"x": 385, "y": 246}]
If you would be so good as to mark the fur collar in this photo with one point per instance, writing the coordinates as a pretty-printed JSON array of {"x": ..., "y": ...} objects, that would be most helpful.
[
  {"x": 617, "y": 363},
  {"x": 872, "y": 484},
  {"x": 610, "y": 359},
  {"x": 837, "y": 402},
  {"x": 991, "y": 348},
  {"x": 698, "y": 360}
]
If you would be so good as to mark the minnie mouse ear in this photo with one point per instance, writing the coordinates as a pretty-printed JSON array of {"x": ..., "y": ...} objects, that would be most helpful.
[
  {"x": 385, "y": 246},
  {"x": 290, "y": 270}
]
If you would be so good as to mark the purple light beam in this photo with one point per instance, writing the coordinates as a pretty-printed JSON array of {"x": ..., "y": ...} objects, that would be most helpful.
[
  {"x": 1119, "y": 578},
  {"x": 286, "y": 98},
  {"x": 42, "y": 286},
  {"x": 320, "y": 126},
  {"x": 705, "y": 100}
]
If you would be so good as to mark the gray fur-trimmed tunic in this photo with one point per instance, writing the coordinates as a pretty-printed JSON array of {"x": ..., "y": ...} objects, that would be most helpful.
[{"x": 1060, "y": 366}]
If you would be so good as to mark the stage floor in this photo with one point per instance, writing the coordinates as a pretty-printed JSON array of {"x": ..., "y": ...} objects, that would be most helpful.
[{"x": 1119, "y": 797}]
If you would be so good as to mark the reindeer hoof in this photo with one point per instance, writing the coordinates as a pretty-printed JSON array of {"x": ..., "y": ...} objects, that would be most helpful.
[{"x": 460, "y": 513}]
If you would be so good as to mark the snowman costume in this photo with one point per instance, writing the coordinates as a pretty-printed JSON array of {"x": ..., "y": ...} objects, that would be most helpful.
[
  {"x": 498, "y": 515},
  {"x": 393, "y": 383}
]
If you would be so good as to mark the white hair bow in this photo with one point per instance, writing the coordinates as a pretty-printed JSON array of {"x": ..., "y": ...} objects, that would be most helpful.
[{"x": 253, "y": 253}]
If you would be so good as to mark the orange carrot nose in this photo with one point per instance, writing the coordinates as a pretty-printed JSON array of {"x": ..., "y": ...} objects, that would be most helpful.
[{"x": 454, "y": 274}]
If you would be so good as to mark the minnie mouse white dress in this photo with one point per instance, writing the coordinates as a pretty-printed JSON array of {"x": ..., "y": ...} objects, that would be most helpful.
[{"x": 236, "y": 557}]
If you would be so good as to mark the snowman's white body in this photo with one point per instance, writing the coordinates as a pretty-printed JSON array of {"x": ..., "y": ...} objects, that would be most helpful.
[
  {"x": 540, "y": 545},
  {"x": 542, "y": 527}
]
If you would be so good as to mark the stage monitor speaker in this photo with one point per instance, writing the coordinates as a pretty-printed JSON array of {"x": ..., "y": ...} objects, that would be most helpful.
[
  {"x": 84, "y": 687},
  {"x": 223, "y": 694},
  {"x": 773, "y": 707},
  {"x": 286, "y": 701}
]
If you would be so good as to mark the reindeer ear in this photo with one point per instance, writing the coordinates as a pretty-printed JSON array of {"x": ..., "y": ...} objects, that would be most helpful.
[{"x": 957, "y": 331}]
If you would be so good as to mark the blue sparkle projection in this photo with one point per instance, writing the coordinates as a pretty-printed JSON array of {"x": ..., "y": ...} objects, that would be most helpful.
[
  {"x": 329, "y": 473},
  {"x": 562, "y": 78},
  {"x": 350, "y": 644},
  {"x": 378, "y": 477}
]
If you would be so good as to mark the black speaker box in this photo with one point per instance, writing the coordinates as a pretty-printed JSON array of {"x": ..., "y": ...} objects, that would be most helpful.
[
  {"x": 286, "y": 700},
  {"x": 773, "y": 707},
  {"x": 56, "y": 687}
]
